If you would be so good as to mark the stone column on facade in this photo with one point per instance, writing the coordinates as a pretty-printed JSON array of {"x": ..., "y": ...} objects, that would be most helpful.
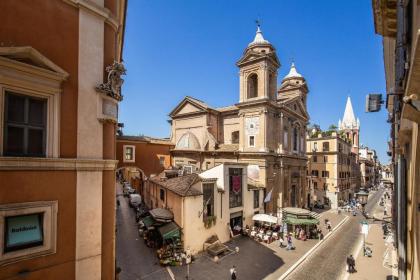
[
  {"x": 242, "y": 136},
  {"x": 281, "y": 142},
  {"x": 241, "y": 87},
  {"x": 266, "y": 116},
  {"x": 275, "y": 187},
  {"x": 281, "y": 188}
]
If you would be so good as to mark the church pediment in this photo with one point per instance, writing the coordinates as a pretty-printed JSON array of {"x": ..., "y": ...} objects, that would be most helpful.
[
  {"x": 28, "y": 56},
  {"x": 188, "y": 106},
  {"x": 289, "y": 85},
  {"x": 250, "y": 56},
  {"x": 296, "y": 105}
]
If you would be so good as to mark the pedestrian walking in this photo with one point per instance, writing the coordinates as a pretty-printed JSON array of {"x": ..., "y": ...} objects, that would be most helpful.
[
  {"x": 351, "y": 263},
  {"x": 289, "y": 242},
  {"x": 233, "y": 273},
  {"x": 281, "y": 240},
  {"x": 329, "y": 226}
]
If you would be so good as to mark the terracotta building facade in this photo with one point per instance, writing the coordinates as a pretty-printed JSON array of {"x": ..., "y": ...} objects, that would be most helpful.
[
  {"x": 265, "y": 129},
  {"x": 59, "y": 93},
  {"x": 139, "y": 157}
]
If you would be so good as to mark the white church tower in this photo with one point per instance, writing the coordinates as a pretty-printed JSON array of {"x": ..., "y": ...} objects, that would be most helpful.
[{"x": 350, "y": 126}]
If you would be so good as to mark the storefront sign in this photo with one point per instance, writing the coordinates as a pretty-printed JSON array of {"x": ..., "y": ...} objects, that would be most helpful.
[{"x": 23, "y": 231}]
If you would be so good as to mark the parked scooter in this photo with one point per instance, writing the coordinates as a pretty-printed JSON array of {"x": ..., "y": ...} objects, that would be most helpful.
[{"x": 368, "y": 252}]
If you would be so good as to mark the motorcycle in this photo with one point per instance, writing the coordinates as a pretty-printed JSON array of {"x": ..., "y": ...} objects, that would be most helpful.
[{"x": 368, "y": 252}]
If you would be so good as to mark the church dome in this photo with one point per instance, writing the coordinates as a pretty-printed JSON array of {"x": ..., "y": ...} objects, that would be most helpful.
[
  {"x": 293, "y": 73},
  {"x": 188, "y": 141},
  {"x": 259, "y": 39}
]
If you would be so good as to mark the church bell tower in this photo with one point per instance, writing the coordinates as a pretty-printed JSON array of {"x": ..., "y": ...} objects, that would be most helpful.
[
  {"x": 350, "y": 126},
  {"x": 258, "y": 70}
]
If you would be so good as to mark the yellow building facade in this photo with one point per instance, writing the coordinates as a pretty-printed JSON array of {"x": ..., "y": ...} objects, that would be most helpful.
[{"x": 333, "y": 171}]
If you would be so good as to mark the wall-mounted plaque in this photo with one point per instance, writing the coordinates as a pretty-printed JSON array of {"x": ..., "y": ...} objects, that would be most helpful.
[{"x": 110, "y": 109}]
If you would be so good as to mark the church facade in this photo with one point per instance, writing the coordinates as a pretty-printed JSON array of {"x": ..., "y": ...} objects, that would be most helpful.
[{"x": 266, "y": 129}]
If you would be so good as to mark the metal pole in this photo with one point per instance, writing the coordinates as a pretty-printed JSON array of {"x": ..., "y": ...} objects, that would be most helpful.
[{"x": 364, "y": 244}]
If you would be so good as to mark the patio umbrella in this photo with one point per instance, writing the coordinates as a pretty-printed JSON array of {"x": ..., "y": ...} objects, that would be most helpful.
[{"x": 265, "y": 218}]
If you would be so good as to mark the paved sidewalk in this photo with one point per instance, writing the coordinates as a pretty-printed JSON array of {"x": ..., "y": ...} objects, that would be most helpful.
[
  {"x": 291, "y": 257},
  {"x": 379, "y": 266}
]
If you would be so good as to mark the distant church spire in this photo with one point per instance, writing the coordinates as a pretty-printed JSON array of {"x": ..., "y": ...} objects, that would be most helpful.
[{"x": 349, "y": 120}]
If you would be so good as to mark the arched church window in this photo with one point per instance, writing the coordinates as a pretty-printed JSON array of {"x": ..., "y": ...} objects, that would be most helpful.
[{"x": 252, "y": 86}]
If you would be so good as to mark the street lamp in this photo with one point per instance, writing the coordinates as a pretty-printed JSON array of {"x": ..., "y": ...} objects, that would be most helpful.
[{"x": 362, "y": 197}]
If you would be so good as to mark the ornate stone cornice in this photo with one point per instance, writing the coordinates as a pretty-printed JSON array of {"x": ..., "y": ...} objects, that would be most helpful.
[
  {"x": 96, "y": 9},
  {"x": 54, "y": 164}
]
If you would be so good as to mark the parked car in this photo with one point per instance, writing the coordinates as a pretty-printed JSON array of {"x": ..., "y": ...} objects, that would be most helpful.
[
  {"x": 318, "y": 205},
  {"x": 127, "y": 190},
  {"x": 135, "y": 200}
]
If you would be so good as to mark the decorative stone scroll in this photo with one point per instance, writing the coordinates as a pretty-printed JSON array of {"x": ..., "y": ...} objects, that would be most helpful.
[{"x": 112, "y": 87}]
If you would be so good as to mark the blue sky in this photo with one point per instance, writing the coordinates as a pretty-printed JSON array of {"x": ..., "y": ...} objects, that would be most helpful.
[{"x": 178, "y": 48}]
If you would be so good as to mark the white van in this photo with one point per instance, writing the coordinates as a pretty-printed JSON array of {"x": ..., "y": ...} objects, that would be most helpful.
[{"x": 135, "y": 200}]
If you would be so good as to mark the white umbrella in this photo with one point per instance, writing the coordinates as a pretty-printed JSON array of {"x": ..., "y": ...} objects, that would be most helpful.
[{"x": 265, "y": 218}]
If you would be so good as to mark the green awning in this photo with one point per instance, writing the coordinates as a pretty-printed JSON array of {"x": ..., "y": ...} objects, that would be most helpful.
[
  {"x": 170, "y": 230},
  {"x": 148, "y": 221},
  {"x": 297, "y": 221}
]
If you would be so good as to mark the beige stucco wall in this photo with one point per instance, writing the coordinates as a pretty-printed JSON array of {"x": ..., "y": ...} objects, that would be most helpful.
[
  {"x": 230, "y": 124},
  {"x": 195, "y": 233},
  {"x": 195, "y": 125},
  {"x": 89, "y": 145},
  {"x": 88, "y": 225}
]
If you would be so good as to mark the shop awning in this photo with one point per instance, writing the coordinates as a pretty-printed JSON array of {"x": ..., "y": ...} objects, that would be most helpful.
[
  {"x": 162, "y": 215},
  {"x": 265, "y": 218},
  {"x": 300, "y": 221},
  {"x": 169, "y": 231},
  {"x": 148, "y": 221}
]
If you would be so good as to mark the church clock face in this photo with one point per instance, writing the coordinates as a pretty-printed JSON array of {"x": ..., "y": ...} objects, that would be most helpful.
[{"x": 252, "y": 125}]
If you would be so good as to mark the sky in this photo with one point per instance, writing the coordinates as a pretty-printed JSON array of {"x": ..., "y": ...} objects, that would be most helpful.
[{"x": 188, "y": 47}]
